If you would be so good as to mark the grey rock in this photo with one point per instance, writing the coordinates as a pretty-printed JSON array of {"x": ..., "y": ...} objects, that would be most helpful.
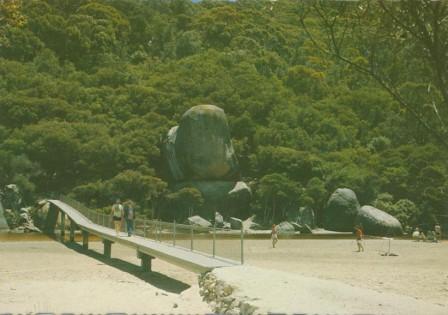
[
  {"x": 285, "y": 227},
  {"x": 378, "y": 222},
  {"x": 297, "y": 226},
  {"x": 241, "y": 190},
  {"x": 202, "y": 144},
  {"x": 250, "y": 224},
  {"x": 235, "y": 223},
  {"x": 341, "y": 210},
  {"x": 200, "y": 154},
  {"x": 306, "y": 229},
  {"x": 198, "y": 221}
]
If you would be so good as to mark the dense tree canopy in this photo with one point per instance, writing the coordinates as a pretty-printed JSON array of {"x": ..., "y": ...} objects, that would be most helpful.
[{"x": 319, "y": 95}]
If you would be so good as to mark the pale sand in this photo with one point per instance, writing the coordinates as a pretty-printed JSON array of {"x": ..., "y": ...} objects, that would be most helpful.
[{"x": 48, "y": 276}]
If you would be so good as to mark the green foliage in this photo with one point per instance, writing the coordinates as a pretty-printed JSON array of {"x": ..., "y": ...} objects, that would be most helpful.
[
  {"x": 277, "y": 193},
  {"x": 182, "y": 203},
  {"x": 89, "y": 89}
]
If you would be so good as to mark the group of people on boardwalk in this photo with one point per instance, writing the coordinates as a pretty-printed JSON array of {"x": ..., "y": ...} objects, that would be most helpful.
[{"x": 123, "y": 212}]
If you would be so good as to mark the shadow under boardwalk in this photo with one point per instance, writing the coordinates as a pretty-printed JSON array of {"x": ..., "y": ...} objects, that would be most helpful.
[{"x": 156, "y": 279}]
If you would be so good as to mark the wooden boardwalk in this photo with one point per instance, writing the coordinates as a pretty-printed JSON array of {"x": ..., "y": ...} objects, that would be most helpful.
[{"x": 146, "y": 249}]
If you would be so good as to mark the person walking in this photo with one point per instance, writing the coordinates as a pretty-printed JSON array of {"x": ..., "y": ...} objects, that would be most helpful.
[
  {"x": 359, "y": 237},
  {"x": 129, "y": 216},
  {"x": 117, "y": 216},
  {"x": 438, "y": 231},
  {"x": 274, "y": 235}
]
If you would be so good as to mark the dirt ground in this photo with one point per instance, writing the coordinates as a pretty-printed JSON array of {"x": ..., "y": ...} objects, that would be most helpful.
[{"x": 45, "y": 275}]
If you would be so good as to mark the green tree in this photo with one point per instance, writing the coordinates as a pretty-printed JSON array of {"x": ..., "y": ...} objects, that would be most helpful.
[{"x": 277, "y": 193}]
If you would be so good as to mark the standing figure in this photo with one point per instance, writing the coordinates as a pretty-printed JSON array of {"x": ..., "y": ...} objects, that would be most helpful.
[
  {"x": 274, "y": 235},
  {"x": 438, "y": 231},
  {"x": 129, "y": 216},
  {"x": 117, "y": 215},
  {"x": 416, "y": 234},
  {"x": 359, "y": 237}
]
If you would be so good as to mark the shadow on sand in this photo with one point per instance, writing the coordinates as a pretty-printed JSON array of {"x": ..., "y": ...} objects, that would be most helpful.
[{"x": 154, "y": 278}]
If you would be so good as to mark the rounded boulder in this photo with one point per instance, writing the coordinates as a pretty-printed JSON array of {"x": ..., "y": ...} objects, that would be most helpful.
[
  {"x": 203, "y": 148},
  {"x": 341, "y": 211},
  {"x": 377, "y": 222}
]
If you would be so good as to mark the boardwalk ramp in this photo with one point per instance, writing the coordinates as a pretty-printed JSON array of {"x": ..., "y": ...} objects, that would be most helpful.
[{"x": 182, "y": 257}]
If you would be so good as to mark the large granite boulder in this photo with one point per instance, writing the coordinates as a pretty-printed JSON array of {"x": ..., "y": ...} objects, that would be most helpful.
[
  {"x": 378, "y": 222},
  {"x": 200, "y": 155},
  {"x": 341, "y": 210},
  {"x": 202, "y": 146}
]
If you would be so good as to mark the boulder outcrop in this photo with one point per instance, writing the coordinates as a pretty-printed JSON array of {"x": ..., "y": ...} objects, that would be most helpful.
[
  {"x": 200, "y": 154},
  {"x": 201, "y": 146},
  {"x": 378, "y": 222},
  {"x": 341, "y": 211}
]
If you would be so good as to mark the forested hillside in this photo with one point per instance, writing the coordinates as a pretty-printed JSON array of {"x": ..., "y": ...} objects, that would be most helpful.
[{"x": 318, "y": 96}]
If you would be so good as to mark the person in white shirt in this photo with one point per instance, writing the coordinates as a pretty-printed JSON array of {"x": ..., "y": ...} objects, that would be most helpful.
[{"x": 117, "y": 216}]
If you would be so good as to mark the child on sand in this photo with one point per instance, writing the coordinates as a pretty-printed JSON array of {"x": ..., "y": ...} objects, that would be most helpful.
[
  {"x": 359, "y": 236},
  {"x": 274, "y": 235}
]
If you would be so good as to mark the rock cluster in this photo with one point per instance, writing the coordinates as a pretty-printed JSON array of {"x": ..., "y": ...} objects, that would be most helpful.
[
  {"x": 14, "y": 217},
  {"x": 200, "y": 155},
  {"x": 343, "y": 212},
  {"x": 219, "y": 296}
]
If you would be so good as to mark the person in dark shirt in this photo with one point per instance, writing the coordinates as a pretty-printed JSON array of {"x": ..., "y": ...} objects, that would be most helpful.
[{"x": 129, "y": 216}]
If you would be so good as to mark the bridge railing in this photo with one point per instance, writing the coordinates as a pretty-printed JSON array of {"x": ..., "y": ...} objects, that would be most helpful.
[{"x": 213, "y": 241}]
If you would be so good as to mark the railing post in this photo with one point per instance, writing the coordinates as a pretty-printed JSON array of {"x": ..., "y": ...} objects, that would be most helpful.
[
  {"x": 97, "y": 217},
  {"x": 191, "y": 234},
  {"x": 242, "y": 245},
  {"x": 214, "y": 239},
  {"x": 174, "y": 233},
  {"x": 144, "y": 228}
]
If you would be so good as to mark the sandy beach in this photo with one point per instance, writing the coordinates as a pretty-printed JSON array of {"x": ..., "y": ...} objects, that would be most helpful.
[{"x": 45, "y": 275}]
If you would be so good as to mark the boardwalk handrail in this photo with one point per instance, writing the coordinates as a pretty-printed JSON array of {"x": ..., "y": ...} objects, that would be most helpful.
[
  {"x": 158, "y": 230},
  {"x": 146, "y": 248}
]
